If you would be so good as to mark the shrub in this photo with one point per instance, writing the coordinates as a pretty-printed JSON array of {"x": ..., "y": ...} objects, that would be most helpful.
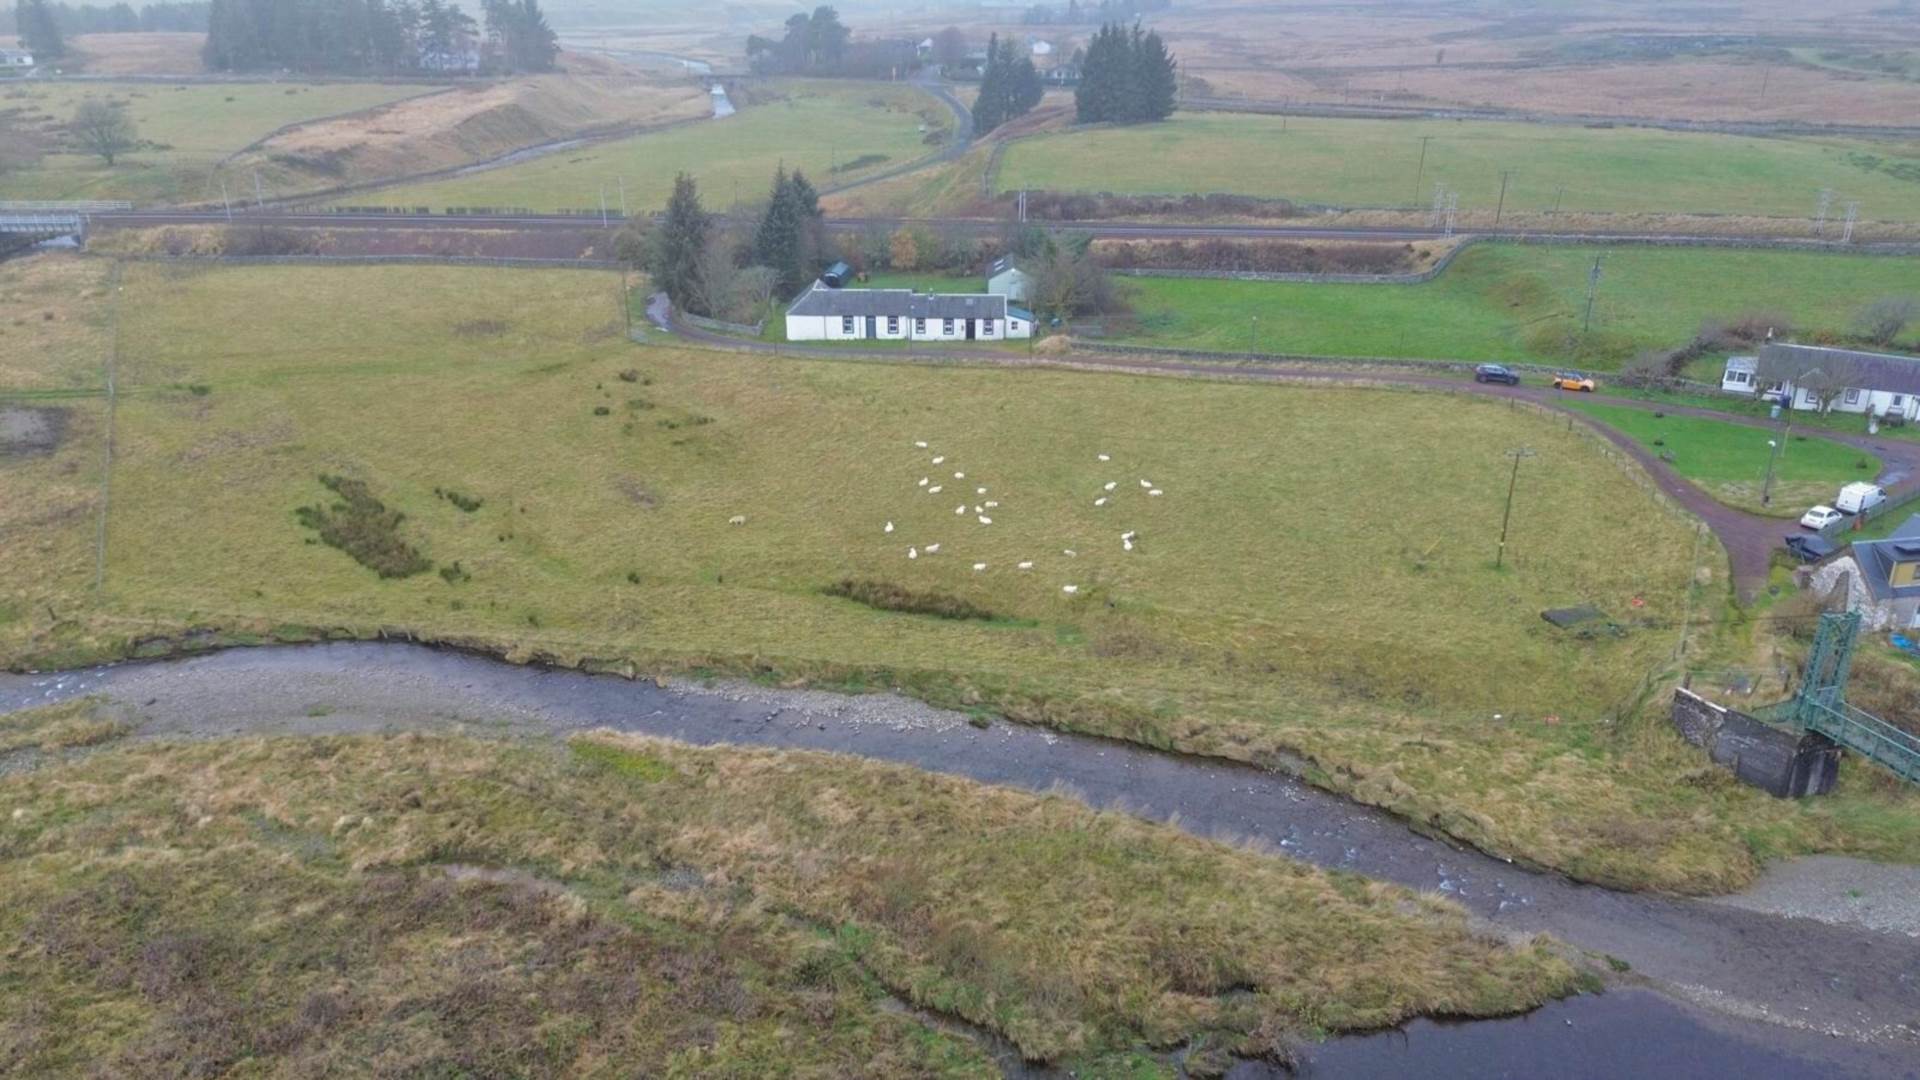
[
  {"x": 364, "y": 528},
  {"x": 886, "y": 596},
  {"x": 460, "y": 499}
]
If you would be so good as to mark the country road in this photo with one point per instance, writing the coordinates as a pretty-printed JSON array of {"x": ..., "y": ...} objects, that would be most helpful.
[{"x": 1739, "y": 990}]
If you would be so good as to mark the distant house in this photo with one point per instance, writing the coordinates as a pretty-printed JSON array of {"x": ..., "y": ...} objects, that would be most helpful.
[
  {"x": 15, "y": 59},
  {"x": 1039, "y": 47},
  {"x": 1005, "y": 278},
  {"x": 924, "y": 50},
  {"x": 1882, "y": 578},
  {"x": 1877, "y": 384},
  {"x": 827, "y": 314},
  {"x": 458, "y": 61},
  {"x": 1061, "y": 75}
]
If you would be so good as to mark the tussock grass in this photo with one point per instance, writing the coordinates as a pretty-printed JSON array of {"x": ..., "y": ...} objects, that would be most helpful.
[
  {"x": 438, "y": 904},
  {"x": 1316, "y": 584},
  {"x": 887, "y": 596},
  {"x": 364, "y": 528},
  {"x": 69, "y": 725}
]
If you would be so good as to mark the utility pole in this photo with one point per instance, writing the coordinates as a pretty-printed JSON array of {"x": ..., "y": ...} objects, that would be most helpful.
[
  {"x": 258, "y": 200},
  {"x": 603, "y": 205},
  {"x": 1821, "y": 209},
  {"x": 1593, "y": 286},
  {"x": 224, "y": 201},
  {"x": 1453, "y": 209},
  {"x": 1766, "y": 489},
  {"x": 1853, "y": 215},
  {"x": 1420, "y": 170},
  {"x": 623, "y": 196},
  {"x": 1558, "y": 193},
  {"x": 1505, "y": 175},
  {"x": 1253, "y": 334},
  {"x": 1517, "y": 454}
]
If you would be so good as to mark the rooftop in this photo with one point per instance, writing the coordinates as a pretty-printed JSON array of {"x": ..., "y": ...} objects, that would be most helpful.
[
  {"x": 1877, "y": 559},
  {"x": 898, "y": 303},
  {"x": 1864, "y": 370}
]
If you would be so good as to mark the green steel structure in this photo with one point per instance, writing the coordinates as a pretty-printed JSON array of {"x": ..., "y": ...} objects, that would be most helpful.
[{"x": 1821, "y": 705}]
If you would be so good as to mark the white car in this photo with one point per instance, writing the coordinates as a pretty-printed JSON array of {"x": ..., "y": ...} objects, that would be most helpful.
[{"x": 1820, "y": 517}]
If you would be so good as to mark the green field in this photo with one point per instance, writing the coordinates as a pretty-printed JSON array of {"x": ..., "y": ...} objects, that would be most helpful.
[
  {"x": 186, "y": 131},
  {"x": 1359, "y": 163},
  {"x": 1317, "y": 578},
  {"x": 1523, "y": 304},
  {"x": 623, "y": 906},
  {"x": 811, "y": 127},
  {"x": 1730, "y": 460}
]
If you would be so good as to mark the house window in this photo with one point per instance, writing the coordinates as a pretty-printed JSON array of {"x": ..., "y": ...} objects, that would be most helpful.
[
  {"x": 947, "y": 327},
  {"x": 1739, "y": 377},
  {"x": 1853, "y": 396},
  {"x": 987, "y": 327},
  {"x": 1895, "y": 403},
  {"x": 893, "y": 324},
  {"x": 846, "y": 325},
  {"x": 919, "y": 327}
]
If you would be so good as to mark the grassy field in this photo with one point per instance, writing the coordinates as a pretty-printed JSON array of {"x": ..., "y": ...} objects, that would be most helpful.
[
  {"x": 1730, "y": 460},
  {"x": 809, "y": 126},
  {"x": 185, "y": 130},
  {"x": 1316, "y": 579},
  {"x": 1334, "y": 162},
  {"x": 447, "y": 906},
  {"x": 1523, "y": 304}
]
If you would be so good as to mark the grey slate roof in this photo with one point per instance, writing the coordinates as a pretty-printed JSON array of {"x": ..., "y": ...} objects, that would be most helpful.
[
  {"x": 1877, "y": 558},
  {"x": 1867, "y": 370},
  {"x": 904, "y": 303}
]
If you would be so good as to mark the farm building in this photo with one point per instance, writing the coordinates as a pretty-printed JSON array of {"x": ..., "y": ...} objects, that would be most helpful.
[
  {"x": 1005, "y": 278},
  {"x": 1816, "y": 376},
  {"x": 1881, "y": 577},
  {"x": 15, "y": 59},
  {"x": 826, "y": 314}
]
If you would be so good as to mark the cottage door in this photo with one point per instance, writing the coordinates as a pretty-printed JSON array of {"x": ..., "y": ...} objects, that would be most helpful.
[
  {"x": 969, "y": 329},
  {"x": 873, "y": 326}
]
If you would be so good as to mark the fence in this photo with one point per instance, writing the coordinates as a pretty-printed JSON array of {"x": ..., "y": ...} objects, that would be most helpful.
[
  {"x": 83, "y": 206},
  {"x": 719, "y": 326},
  {"x": 381, "y": 260},
  {"x": 1891, "y": 506}
]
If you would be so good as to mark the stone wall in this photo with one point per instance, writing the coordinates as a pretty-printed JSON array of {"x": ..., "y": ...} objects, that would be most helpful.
[{"x": 1782, "y": 762}]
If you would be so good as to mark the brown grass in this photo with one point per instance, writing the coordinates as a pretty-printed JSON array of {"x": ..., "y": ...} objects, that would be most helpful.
[{"x": 140, "y": 54}]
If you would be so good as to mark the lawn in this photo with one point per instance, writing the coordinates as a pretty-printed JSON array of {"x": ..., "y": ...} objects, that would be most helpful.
[
  {"x": 622, "y": 906},
  {"x": 186, "y": 130},
  {"x": 1730, "y": 461},
  {"x": 1366, "y": 163},
  {"x": 1523, "y": 304},
  {"x": 1316, "y": 579},
  {"x": 813, "y": 127}
]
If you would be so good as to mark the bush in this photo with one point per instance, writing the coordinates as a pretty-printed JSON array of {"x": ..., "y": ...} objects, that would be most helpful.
[
  {"x": 267, "y": 240},
  {"x": 886, "y": 596},
  {"x": 468, "y": 503},
  {"x": 364, "y": 528}
]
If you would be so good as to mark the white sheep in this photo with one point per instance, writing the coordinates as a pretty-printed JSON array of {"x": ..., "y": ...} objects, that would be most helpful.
[
  {"x": 1026, "y": 565},
  {"x": 1101, "y": 501},
  {"x": 1146, "y": 483},
  {"x": 889, "y": 527},
  {"x": 1155, "y": 492},
  {"x": 959, "y": 476},
  {"x": 1104, "y": 457},
  {"x": 985, "y": 520},
  {"x": 979, "y": 566},
  {"x": 979, "y": 491},
  {"x": 940, "y": 460},
  {"x": 1111, "y": 484},
  {"x": 959, "y": 510},
  {"x": 991, "y": 504},
  {"x": 934, "y": 490},
  {"x": 933, "y": 549},
  {"x": 913, "y": 553},
  {"x": 1069, "y": 553},
  {"x": 1069, "y": 589},
  {"x": 922, "y": 444},
  {"x": 737, "y": 519},
  {"x": 923, "y": 481}
]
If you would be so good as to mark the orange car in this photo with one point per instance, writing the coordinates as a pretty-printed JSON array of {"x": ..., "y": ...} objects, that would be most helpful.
[{"x": 1572, "y": 380}]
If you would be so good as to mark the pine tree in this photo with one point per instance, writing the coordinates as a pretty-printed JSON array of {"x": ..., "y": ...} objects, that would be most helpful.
[
  {"x": 791, "y": 237},
  {"x": 1128, "y": 77},
  {"x": 1158, "y": 82},
  {"x": 38, "y": 30},
  {"x": 989, "y": 109},
  {"x": 673, "y": 250}
]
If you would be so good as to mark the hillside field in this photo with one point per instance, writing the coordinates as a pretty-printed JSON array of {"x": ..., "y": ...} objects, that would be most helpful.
[
  {"x": 808, "y": 126},
  {"x": 1369, "y": 163},
  {"x": 1316, "y": 577},
  {"x": 186, "y": 130},
  {"x": 1524, "y": 304}
]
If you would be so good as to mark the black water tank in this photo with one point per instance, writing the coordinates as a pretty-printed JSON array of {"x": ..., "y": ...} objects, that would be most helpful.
[{"x": 837, "y": 275}]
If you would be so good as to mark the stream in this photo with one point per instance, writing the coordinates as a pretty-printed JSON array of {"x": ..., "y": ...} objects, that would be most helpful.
[{"x": 1738, "y": 991}]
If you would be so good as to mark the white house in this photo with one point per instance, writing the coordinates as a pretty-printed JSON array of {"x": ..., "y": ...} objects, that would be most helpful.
[
  {"x": 1039, "y": 47},
  {"x": 1876, "y": 384},
  {"x": 824, "y": 314},
  {"x": 1005, "y": 278},
  {"x": 15, "y": 59}
]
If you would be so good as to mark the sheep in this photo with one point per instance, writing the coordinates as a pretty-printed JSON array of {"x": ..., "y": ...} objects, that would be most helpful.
[
  {"x": 979, "y": 491},
  {"x": 991, "y": 504},
  {"x": 933, "y": 549},
  {"x": 1104, "y": 457},
  {"x": 737, "y": 519},
  {"x": 1146, "y": 483},
  {"x": 934, "y": 490},
  {"x": 922, "y": 444},
  {"x": 978, "y": 509},
  {"x": 1069, "y": 553},
  {"x": 1069, "y": 589},
  {"x": 1111, "y": 484},
  {"x": 960, "y": 510},
  {"x": 1028, "y": 565},
  {"x": 1101, "y": 501},
  {"x": 913, "y": 553},
  {"x": 889, "y": 527},
  {"x": 923, "y": 481},
  {"x": 940, "y": 460},
  {"x": 1155, "y": 492},
  {"x": 985, "y": 520},
  {"x": 979, "y": 566}
]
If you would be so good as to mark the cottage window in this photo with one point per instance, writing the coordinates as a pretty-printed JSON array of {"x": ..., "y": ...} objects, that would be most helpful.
[
  {"x": 846, "y": 325},
  {"x": 1853, "y": 396},
  {"x": 947, "y": 327},
  {"x": 919, "y": 327},
  {"x": 893, "y": 324},
  {"x": 1739, "y": 377},
  {"x": 1895, "y": 403}
]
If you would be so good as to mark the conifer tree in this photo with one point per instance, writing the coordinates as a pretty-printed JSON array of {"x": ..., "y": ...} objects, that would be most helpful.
[
  {"x": 33, "y": 20},
  {"x": 673, "y": 250}
]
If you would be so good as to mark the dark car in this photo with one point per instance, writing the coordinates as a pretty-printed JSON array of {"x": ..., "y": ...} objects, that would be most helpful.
[
  {"x": 1809, "y": 547},
  {"x": 1496, "y": 373}
]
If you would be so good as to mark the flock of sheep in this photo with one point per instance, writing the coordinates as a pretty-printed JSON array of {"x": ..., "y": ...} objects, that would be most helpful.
[{"x": 981, "y": 508}]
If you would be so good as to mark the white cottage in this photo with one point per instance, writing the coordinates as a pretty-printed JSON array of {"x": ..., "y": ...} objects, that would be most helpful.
[
  {"x": 824, "y": 314},
  {"x": 16, "y": 59},
  {"x": 1876, "y": 384},
  {"x": 1005, "y": 278}
]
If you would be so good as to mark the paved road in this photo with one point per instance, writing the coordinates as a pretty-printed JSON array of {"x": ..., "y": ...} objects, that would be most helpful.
[
  {"x": 1786, "y": 990},
  {"x": 1750, "y": 539}
]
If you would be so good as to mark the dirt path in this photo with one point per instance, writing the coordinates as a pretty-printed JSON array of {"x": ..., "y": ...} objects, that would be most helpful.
[{"x": 1840, "y": 994}]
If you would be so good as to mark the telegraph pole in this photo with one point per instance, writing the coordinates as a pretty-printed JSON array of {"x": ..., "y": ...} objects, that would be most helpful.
[
  {"x": 1853, "y": 215},
  {"x": 1593, "y": 286},
  {"x": 1766, "y": 489},
  {"x": 1505, "y": 175},
  {"x": 1513, "y": 480},
  {"x": 224, "y": 201},
  {"x": 258, "y": 200},
  {"x": 603, "y": 205},
  {"x": 1820, "y": 211},
  {"x": 623, "y": 196},
  {"x": 1253, "y": 334},
  {"x": 1420, "y": 170}
]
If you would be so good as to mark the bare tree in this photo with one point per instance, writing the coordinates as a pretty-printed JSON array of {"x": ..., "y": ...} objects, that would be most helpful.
[
  {"x": 103, "y": 128},
  {"x": 1884, "y": 320},
  {"x": 950, "y": 46}
]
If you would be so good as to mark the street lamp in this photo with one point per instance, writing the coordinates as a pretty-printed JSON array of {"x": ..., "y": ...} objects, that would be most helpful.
[
  {"x": 1253, "y": 332},
  {"x": 1766, "y": 490}
]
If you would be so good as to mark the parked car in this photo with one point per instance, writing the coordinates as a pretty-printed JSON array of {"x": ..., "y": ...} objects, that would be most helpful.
[
  {"x": 1859, "y": 497},
  {"x": 1820, "y": 517},
  {"x": 1810, "y": 548},
  {"x": 1573, "y": 380},
  {"x": 1496, "y": 373}
]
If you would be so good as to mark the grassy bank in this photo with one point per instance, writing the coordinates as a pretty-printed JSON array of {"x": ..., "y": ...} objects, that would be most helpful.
[
  {"x": 1522, "y": 304},
  {"x": 808, "y": 126},
  {"x": 1316, "y": 579},
  {"x": 185, "y": 130},
  {"x": 438, "y": 905},
  {"x": 1376, "y": 162},
  {"x": 1730, "y": 461}
]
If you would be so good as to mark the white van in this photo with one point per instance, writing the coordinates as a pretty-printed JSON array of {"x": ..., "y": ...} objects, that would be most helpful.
[{"x": 1860, "y": 497}]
